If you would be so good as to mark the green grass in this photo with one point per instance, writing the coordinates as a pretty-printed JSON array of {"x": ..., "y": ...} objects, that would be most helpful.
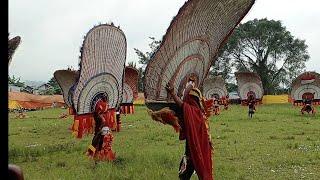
[{"x": 278, "y": 143}]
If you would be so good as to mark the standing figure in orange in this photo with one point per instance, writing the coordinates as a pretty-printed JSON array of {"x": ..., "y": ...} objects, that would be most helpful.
[
  {"x": 216, "y": 106},
  {"x": 226, "y": 102},
  {"x": 101, "y": 145},
  {"x": 195, "y": 130}
]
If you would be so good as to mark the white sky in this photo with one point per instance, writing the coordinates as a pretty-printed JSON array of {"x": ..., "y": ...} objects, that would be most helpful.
[{"x": 52, "y": 31}]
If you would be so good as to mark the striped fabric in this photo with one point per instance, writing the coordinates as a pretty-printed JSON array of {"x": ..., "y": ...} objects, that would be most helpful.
[
  {"x": 249, "y": 82},
  {"x": 12, "y": 47},
  {"x": 127, "y": 108},
  {"x": 130, "y": 85},
  {"x": 66, "y": 79},
  {"x": 127, "y": 96},
  {"x": 103, "y": 56},
  {"x": 299, "y": 88},
  {"x": 214, "y": 85}
]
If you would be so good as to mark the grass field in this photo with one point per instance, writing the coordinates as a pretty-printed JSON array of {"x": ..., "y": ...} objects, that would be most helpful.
[{"x": 278, "y": 143}]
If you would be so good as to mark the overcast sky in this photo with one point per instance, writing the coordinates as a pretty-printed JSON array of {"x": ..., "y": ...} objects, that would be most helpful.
[{"x": 52, "y": 31}]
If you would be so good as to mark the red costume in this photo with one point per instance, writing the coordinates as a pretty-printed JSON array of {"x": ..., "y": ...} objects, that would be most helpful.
[
  {"x": 225, "y": 102},
  {"x": 307, "y": 107},
  {"x": 84, "y": 123},
  {"x": 195, "y": 130},
  {"x": 100, "y": 148},
  {"x": 102, "y": 117}
]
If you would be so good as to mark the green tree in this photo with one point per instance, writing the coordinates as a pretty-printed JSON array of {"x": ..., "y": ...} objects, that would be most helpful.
[
  {"x": 267, "y": 48},
  {"x": 222, "y": 67},
  {"x": 140, "y": 79},
  {"x": 55, "y": 87},
  {"x": 15, "y": 81},
  {"x": 132, "y": 64},
  {"x": 231, "y": 87},
  {"x": 50, "y": 91},
  {"x": 144, "y": 58},
  {"x": 11, "y": 80}
]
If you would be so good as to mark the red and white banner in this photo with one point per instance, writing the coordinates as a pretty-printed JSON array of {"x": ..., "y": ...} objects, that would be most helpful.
[{"x": 307, "y": 79}]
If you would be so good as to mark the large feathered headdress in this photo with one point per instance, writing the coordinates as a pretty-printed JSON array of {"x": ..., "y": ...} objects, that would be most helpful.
[
  {"x": 249, "y": 84},
  {"x": 214, "y": 86},
  {"x": 130, "y": 85},
  {"x": 190, "y": 45},
  {"x": 306, "y": 83},
  {"x": 12, "y": 46},
  {"x": 102, "y": 63}
]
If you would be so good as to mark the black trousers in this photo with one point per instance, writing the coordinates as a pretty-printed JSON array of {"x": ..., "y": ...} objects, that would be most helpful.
[
  {"x": 186, "y": 175},
  {"x": 251, "y": 112},
  {"x": 97, "y": 140}
]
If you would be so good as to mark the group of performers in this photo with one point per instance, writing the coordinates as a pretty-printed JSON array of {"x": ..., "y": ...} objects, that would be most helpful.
[
  {"x": 194, "y": 129},
  {"x": 102, "y": 61},
  {"x": 217, "y": 102},
  {"x": 307, "y": 106}
]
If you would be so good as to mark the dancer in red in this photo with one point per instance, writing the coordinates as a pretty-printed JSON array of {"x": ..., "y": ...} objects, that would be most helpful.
[
  {"x": 94, "y": 92},
  {"x": 101, "y": 145},
  {"x": 195, "y": 130},
  {"x": 307, "y": 105}
]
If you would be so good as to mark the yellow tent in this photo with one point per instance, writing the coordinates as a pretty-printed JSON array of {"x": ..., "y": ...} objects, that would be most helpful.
[
  {"x": 275, "y": 99},
  {"x": 32, "y": 101},
  {"x": 13, "y": 104},
  {"x": 139, "y": 100}
]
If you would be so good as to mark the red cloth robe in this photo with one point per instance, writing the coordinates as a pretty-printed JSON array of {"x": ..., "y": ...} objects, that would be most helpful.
[
  {"x": 196, "y": 133},
  {"x": 107, "y": 117},
  {"x": 107, "y": 114}
]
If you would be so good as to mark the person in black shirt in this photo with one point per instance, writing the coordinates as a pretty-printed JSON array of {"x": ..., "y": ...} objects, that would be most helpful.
[{"x": 251, "y": 106}]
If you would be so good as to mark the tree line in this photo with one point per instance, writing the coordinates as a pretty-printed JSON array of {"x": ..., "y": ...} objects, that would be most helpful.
[
  {"x": 54, "y": 86},
  {"x": 260, "y": 45}
]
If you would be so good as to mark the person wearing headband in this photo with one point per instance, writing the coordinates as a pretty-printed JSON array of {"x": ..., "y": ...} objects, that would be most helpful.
[{"x": 195, "y": 130}]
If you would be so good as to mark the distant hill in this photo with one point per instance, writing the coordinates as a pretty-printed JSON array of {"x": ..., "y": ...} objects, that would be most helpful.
[{"x": 34, "y": 83}]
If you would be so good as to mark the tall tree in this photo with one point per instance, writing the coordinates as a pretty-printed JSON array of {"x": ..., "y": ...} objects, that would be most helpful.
[
  {"x": 222, "y": 66},
  {"x": 141, "y": 79},
  {"x": 55, "y": 86},
  {"x": 15, "y": 81},
  {"x": 231, "y": 87},
  {"x": 144, "y": 58},
  {"x": 132, "y": 64},
  {"x": 267, "y": 48}
]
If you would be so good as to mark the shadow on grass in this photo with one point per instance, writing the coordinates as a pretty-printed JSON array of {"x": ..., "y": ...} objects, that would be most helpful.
[
  {"x": 32, "y": 153},
  {"x": 120, "y": 162}
]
